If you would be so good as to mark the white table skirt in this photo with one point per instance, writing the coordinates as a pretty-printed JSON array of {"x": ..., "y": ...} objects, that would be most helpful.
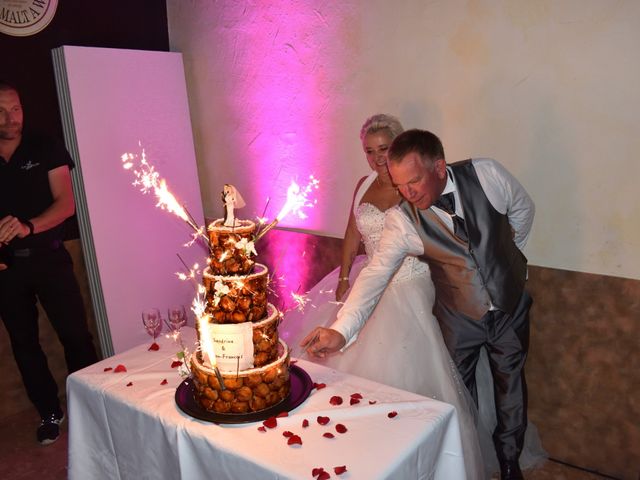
[{"x": 138, "y": 432}]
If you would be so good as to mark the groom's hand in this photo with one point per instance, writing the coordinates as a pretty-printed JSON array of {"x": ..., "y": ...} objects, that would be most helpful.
[{"x": 322, "y": 341}]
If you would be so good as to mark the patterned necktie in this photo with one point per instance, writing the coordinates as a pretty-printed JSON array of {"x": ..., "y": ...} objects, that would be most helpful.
[{"x": 447, "y": 203}]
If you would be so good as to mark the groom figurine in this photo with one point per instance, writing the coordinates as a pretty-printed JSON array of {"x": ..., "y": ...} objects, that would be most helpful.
[{"x": 469, "y": 221}]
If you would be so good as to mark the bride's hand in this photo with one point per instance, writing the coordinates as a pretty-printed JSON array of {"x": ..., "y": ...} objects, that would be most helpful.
[{"x": 341, "y": 289}]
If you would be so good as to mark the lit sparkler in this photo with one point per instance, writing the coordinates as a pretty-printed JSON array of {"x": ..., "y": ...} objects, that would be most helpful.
[
  {"x": 297, "y": 199},
  {"x": 191, "y": 272},
  {"x": 206, "y": 339},
  {"x": 149, "y": 180},
  {"x": 300, "y": 300}
]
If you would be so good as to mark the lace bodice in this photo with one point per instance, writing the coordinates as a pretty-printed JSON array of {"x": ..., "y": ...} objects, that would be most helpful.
[{"x": 370, "y": 220}]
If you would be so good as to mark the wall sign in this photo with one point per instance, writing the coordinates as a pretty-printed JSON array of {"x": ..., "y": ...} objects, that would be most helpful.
[{"x": 21, "y": 18}]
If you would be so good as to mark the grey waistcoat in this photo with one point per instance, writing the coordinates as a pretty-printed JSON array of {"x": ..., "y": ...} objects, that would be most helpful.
[{"x": 490, "y": 269}]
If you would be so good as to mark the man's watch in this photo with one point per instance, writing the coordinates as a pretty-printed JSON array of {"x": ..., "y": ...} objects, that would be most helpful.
[{"x": 28, "y": 224}]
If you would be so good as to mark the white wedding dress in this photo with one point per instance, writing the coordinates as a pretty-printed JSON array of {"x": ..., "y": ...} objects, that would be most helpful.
[{"x": 401, "y": 344}]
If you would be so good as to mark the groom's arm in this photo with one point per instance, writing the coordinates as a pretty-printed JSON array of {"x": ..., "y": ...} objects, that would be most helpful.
[
  {"x": 399, "y": 239},
  {"x": 507, "y": 195}
]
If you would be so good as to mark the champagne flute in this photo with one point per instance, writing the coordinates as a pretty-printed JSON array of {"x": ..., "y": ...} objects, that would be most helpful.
[
  {"x": 152, "y": 322},
  {"x": 177, "y": 315}
]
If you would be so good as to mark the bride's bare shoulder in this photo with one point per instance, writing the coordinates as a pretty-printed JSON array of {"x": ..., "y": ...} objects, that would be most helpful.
[{"x": 359, "y": 184}]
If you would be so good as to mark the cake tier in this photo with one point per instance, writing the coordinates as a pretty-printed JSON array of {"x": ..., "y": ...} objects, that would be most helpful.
[
  {"x": 237, "y": 298},
  {"x": 245, "y": 391},
  {"x": 265, "y": 338},
  {"x": 230, "y": 253}
]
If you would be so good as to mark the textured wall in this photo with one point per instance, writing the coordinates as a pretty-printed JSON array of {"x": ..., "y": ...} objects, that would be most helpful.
[
  {"x": 279, "y": 89},
  {"x": 264, "y": 80},
  {"x": 583, "y": 370}
]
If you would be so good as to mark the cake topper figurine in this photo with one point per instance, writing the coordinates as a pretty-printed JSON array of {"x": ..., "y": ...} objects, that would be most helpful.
[{"x": 231, "y": 199}]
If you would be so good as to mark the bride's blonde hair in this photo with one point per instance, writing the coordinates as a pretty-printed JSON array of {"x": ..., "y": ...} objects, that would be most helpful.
[{"x": 379, "y": 122}]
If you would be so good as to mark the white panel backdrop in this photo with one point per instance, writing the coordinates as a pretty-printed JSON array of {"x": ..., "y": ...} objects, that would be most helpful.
[{"x": 112, "y": 101}]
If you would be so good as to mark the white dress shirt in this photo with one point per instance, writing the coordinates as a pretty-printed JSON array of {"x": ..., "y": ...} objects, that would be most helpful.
[{"x": 400, "y": 238}]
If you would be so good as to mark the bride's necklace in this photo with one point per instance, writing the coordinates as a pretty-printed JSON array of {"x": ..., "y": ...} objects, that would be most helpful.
[{"x": 386, "y": 186}]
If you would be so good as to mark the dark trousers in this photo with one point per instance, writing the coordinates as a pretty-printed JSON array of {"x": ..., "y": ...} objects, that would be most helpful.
[
  {"x": 506, "y": 338},
  {"x": 48, "y": 277}
]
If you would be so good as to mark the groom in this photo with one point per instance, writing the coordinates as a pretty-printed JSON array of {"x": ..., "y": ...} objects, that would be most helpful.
[{"x": 469, "y": 221}]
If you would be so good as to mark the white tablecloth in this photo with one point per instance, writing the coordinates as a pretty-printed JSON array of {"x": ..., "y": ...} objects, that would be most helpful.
[{"x": 138, "y": 432}]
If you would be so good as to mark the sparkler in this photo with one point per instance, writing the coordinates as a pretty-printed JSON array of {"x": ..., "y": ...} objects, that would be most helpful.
[
  {"x": 149, "y": 180},
  {"x": 301, "y": 300},
  {"x": 206, "y": 339},
  {"x": 183, "y": 354},
  {"x": 192, "y": 272},
  {"x": 297, "y": 199},
  {"x": 262, "y": 219}
]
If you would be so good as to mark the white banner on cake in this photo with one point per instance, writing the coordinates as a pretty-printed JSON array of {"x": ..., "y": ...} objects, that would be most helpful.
[{"x": 233, "y": 345}]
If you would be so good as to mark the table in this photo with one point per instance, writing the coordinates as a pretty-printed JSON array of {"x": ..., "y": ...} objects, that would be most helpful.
[{"x": 127, "y": 426}]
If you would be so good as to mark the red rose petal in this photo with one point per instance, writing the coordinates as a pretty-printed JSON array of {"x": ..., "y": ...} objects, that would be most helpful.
[
  {"x": 287, "y": 434},
  {"x": 328, "y": 435},
  {"x": 340, "y": 470},
  {"x": 336, "y": 400},
  {"x": 176, "y": 363},
  {"x": 356, "y": 395},
  {"x": 305, "y": 423},
  {"x": 324, "y": 475},
  {"x": 262, "y": 428},
  {"x": 323, "y": 420},
  {"x": 129, "y": 384},
  {"x": 282, "y": 414},
  {"x": 319, "y": 386},
  {"x": 270, "y": 422},
  {"x": 164, "y": 382},
  {"x": 353, "y": 401},
  {"x": 108, "y": 368},
  {"x": 392, "y": 414},
  {"x": 294, "y": 440},
  {"x": 120, "y": 368},
  {"x": 340, "y": 428},
  {"x": 154, "y": 346},
  {"x": 372, "y": 402},
  {"x": 317, "y": 471}
]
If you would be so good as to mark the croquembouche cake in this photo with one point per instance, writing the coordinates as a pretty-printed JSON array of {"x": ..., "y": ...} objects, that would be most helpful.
[{"x": 241, "y": 326}]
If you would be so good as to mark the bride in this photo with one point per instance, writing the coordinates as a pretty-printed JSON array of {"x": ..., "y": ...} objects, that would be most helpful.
[{"x": 401, "y": 344}]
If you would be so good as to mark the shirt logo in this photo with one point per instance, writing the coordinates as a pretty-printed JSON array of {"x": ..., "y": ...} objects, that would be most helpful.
[{"x": 29, "y": 165}]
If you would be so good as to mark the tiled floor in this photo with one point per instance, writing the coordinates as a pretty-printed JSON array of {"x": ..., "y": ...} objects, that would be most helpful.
[{"x": 22, "y": 458}]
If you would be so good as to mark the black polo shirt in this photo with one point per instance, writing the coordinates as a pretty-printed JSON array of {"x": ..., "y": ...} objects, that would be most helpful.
[{"x": 24, "y": 184}]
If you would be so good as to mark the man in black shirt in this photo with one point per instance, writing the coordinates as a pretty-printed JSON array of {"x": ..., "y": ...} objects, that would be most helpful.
[{"x": 35, "y": 199}]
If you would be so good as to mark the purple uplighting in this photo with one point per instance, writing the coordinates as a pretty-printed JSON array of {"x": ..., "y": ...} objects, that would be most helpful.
[{"x": 278, "y": 84}]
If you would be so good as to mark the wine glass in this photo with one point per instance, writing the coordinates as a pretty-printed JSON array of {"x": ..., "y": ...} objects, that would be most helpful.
[
  {"x": 177, "y": 315},
  {"x": 152, "y": 322}
]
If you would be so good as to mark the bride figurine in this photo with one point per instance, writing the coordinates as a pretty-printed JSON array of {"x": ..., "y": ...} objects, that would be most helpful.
[{"x": 231, "y": 199}]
